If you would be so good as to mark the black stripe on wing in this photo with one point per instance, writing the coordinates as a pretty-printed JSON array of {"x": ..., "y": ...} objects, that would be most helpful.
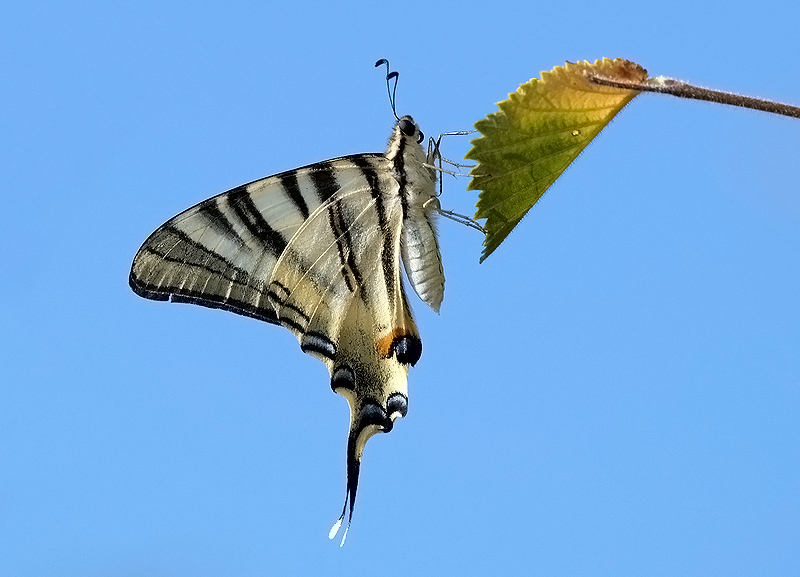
[
  {"x": 242, "y": 204},
  {"x": 388, "y": 259},
  {"x": 289, "y": 182},
  {"x": 323, "y": 177},
  {"x": 344, "y": 245},
  {"x": 219, "y": 221},
  {"x": 170, "y": 266}
]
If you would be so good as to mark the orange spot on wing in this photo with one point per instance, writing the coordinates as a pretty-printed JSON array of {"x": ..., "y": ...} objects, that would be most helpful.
[{"x": 385, "y": 342}]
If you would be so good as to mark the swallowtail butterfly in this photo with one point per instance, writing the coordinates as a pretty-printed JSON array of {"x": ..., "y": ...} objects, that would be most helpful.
[{"x": 318, "y": 251}]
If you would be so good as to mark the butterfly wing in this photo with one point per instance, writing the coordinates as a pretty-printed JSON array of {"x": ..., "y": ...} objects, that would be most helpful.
[
  {"x": 338, "y": 287},
  {"x": 221, "y": 252},
  {"x": 318, "y": 251}
]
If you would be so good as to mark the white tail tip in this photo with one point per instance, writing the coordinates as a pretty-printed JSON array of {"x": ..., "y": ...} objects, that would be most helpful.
[{"x": 335, "y": 528}]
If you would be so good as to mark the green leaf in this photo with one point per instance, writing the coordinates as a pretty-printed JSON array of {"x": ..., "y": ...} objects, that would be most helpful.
[{"x": 542, "y": 127}]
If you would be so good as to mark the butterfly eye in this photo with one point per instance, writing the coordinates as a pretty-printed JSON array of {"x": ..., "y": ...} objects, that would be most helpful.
[
  {"x": 421, "y": 136},
  {"x": 407, "y": 127}
]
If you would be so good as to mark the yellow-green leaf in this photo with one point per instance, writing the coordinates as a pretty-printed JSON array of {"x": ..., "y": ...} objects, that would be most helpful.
[{"x": 542, "y": 127}]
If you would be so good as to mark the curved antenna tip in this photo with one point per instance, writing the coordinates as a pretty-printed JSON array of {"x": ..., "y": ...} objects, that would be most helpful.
[{"x": 392, "y": 90}]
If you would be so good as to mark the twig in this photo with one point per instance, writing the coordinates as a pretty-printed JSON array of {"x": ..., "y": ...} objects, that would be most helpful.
[{"x": 681, "y": 89}]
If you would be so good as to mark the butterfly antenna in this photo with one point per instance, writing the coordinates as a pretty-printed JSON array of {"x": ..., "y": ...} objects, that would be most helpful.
[{"x": 391, "y": 89}]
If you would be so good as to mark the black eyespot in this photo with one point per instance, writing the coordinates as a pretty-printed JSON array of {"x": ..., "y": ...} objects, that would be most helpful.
[
  {"x": 397, "y": 403},
  {"x": 407, "y": 349},
  {"x": 373, "y": 414},
  {"x": 407, "y": 126},
  {"x": 318, "y": 345},
  {"x": 343, "y": 378},
  {"x": 421, "y": 136}
]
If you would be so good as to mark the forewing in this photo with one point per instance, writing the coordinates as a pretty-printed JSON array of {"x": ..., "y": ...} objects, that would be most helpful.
[{"x": 221, "y": 253}]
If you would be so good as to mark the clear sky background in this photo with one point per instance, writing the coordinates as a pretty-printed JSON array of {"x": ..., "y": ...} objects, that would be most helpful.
[{"x": 615, "y": 391}]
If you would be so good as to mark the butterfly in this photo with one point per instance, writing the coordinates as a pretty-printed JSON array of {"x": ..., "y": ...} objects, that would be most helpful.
[{"x": 318, "y": 250}]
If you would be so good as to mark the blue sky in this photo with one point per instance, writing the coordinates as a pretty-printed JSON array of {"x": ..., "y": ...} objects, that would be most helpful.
[{"x": 615, "y": 391}]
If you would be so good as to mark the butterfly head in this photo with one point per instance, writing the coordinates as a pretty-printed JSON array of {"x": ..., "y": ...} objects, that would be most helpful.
[
  {"x": 411, "y": 163},
  {"x": 406, "y": 135},
  {"x": 409, "y": 128}
]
